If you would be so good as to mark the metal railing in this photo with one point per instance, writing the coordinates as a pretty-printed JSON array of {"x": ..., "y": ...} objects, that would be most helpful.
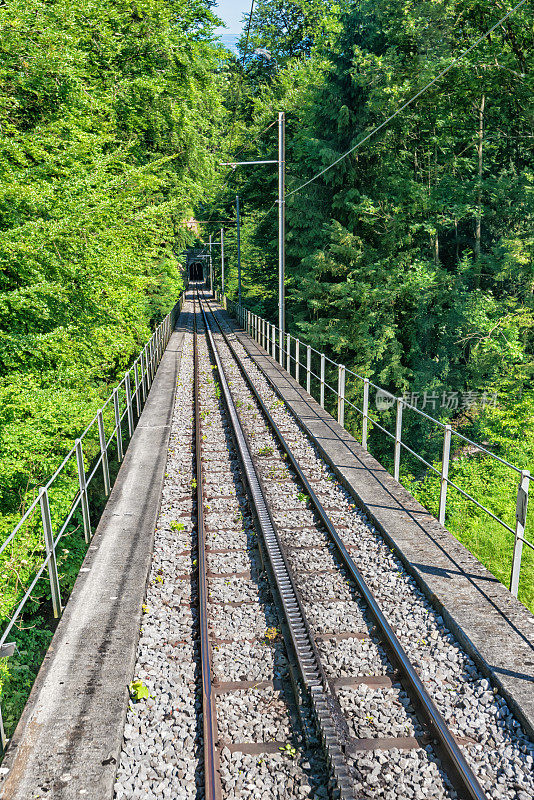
[
  {"x": 124, "y": 406},
  {"x": 295, "y": 355}
]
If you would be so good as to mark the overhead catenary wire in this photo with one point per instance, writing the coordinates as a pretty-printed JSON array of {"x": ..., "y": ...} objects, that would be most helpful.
[{"x": 408, "y": 102}]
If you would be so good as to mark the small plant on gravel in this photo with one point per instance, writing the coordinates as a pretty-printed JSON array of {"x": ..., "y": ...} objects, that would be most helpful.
[
  {"x": 138, "y": 691},
  {"x": 177, "y": 526},
  {"x": 271, "y": 634},
  {"x": 159, "y": 578},
  {"x": 265, "y": 451},
  {"x": 217, "y": 390},
  {"x": 302, "y": 497},
  {"x": 288, "y": 750},
  {"x": 145, "y": 608},
  {"x": 194, "y": 483}
]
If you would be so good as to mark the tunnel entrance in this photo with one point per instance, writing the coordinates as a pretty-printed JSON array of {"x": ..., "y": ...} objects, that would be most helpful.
[{"x": 196, "y": 271}]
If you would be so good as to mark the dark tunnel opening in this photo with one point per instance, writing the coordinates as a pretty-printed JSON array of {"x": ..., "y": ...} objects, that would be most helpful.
[{"x": 196, "y": 272}]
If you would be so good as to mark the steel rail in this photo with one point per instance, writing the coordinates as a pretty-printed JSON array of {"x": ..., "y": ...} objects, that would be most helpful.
[
  {"x": 300, "y": 638},
  {"x": 461, "y": 774},
  {"x": 212, "y": 780}
]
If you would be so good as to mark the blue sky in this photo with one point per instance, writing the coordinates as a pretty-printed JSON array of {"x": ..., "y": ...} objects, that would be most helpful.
[{"x": 231, "y": 11}]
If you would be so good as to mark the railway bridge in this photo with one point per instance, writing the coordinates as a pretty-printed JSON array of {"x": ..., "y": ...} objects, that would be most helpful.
[{"x": 263, "y": 611}]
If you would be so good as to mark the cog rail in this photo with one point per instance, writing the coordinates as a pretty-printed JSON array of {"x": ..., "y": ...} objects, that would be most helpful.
[{"x": 301, "y": 640}]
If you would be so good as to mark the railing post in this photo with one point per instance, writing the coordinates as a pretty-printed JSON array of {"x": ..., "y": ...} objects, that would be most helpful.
[
  {"x": 142, "y": 361},
  {"x": 281, "y": 348},
  {"x": 341, "y": 394},
  {"x": 147, "y": 370},
  {"x": 137, "y": 389},
  {"x": 288, "y": 353},
  {"x": 3, "y": 737},
  {"x": 365, "y": 411},
  {"x": 129, "y": 406},
  {"x": 444, "y": 473},
  {"x": 50, "y": 552},
  {"x": 263, "y": 325},
  {"x": 116, "y": 408},
  {"x": 103, "y": 450},
  {"x": 520, "y": 523},
  {"x": 322, "y": 373},
  {"x": 297, "y": 360},
  {"x": 273, "y": 343},
  {"x": 398, "y": 434},
  {"x": 308, "y": 369},
  {"x": 83, "y": 491}
]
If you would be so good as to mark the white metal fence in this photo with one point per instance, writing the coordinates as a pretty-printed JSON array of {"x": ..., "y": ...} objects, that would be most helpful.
[
  {"x": 124, "y": 405},
  {"x": 300, "y": 359}
]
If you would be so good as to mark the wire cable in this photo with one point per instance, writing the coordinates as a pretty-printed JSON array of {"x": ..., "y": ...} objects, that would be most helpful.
[{"x": 408, "y": 102}]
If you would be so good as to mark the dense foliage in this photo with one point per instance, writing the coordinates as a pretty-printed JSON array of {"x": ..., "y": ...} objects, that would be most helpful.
[
  {"x": 111, "y": 117},
  {"x": 411, "y": 260}
]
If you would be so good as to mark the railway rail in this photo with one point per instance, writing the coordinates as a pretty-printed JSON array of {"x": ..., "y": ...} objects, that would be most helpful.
[
  {"x": 320, "y": 669},
  {"x": 329, "y": 714}
]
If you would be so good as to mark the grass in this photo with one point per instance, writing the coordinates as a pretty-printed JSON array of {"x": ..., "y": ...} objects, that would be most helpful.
[{"x": 495, "y": 487}]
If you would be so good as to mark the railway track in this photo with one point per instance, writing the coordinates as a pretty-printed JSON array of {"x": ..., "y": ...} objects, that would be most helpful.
[
  {"x": 314, "y": 677},
  {"x": 330, "y": 716}
]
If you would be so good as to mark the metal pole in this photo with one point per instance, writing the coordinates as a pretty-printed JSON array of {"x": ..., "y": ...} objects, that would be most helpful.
[
  {"x": 83, "y": 491},
  {"x": 322, "y": 373},
  {"x": 341, "y": 394},
  {"x": 238, "y": 250},
  {"x": 211, "y": 270},
  {"x": 444, "y": 473},
  {"x": 116, "y": 409},
  {"x": 50, "y": 552},
  {"x": 103, "y": 451},
  {"x": 137, "y": 390},
  {"x": 297, "y": 360},
  {"x": 288, "y": 352},
  {"x": 398, "y": 433},
  {"x": 281, "y": 226},
  {"x": 308, "y": 369},
  {"x": 129, "y": 404},
  {"x": 520, "y": 522},
  {"x": 222, "y": 260},
  {"x": 365, "y": 410}
]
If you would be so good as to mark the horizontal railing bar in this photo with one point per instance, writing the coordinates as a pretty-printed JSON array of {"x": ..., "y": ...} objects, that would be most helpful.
[
  {"x": 329, "y": 359},
  {"x": 350, "y": 372},
  {"x": 483, "y": 449},
  {"x": 75, "y": 504},
  {"x": 380, "y": 428},
  {"x": 23, "y": 601},
  {"x": 86, "y": 431},
  {"x": 96, "y": 466},
  {"x": 409, "y": 449},
  {"x": 491, "y": 514},
  {"x": 422, "y": 413},
  {"x": 359, "y": 410},
  {"x": 17, "y": 527}
]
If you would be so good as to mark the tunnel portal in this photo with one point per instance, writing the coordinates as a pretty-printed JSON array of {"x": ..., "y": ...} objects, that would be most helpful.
[{"x": 196, "y": 271}]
